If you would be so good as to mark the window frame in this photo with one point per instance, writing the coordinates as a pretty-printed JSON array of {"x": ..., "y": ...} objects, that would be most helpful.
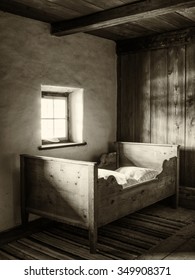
[
  {"x": 75, "y": 116},
  {"x": 57, "y": 95}
]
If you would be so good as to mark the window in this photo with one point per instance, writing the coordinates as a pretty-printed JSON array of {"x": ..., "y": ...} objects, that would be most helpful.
[
  {"x": 54, "y": 117},
  {"x": 61, "y": 117}
]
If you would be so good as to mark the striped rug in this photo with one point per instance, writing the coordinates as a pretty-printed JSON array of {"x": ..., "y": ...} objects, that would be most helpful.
[{"x": 128, "y": 238}]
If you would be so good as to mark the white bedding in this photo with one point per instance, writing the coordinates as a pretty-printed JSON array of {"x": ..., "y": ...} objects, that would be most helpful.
[{"x": 129, "y": 175}]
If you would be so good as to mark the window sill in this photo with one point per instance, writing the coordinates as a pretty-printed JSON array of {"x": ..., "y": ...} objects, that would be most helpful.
[{"x": 60, "y": 145}]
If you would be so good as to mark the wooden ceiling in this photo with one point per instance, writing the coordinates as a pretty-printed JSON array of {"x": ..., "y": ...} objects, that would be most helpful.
[{"x": 112, "y": 19}]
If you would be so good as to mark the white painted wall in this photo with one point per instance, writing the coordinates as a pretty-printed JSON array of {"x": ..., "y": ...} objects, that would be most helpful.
[{"x": 29, "y": 57}]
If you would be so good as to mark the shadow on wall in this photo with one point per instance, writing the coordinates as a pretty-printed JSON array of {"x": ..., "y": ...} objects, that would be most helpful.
[{"x": 187, "y": 161}]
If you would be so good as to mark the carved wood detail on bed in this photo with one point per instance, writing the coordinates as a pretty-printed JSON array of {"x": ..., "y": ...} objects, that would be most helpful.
[
  {"x": 128, "y": 200},
  {"x": 108, "y": 161}
]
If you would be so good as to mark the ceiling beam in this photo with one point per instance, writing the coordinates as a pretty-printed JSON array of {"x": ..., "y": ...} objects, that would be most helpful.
[{"x": 119, "y": 15}]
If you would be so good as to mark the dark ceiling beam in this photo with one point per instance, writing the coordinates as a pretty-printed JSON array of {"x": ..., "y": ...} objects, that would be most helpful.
[
  {"x": 119, "y": 15},
  {"x": 20, "y": 9}
]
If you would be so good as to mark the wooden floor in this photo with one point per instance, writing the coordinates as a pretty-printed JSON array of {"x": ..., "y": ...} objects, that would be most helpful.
[{"x": 156, "y": 232}]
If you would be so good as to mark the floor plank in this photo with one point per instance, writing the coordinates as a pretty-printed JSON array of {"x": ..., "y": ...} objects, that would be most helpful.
[{"x": 184, "y": 252}]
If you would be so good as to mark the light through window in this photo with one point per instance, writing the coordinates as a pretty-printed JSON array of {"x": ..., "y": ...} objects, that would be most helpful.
[{"x": 54, "y": 117}]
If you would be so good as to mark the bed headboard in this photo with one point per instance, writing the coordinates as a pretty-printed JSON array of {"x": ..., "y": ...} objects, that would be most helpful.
[{"x": 145, "y": 154}]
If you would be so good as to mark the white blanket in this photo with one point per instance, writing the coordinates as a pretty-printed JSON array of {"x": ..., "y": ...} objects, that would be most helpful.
[{"x": 129, "y": 175}]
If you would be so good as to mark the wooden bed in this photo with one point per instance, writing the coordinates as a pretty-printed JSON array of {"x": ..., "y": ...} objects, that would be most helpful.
[{"x": 70, "y": 191}]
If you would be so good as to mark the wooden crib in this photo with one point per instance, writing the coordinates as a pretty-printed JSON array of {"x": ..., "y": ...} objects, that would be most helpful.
[{"x": 69, "y": 191}]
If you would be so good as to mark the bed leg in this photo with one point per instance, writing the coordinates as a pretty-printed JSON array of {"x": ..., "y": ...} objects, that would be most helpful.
[
  {"x": 175, "y": 201},
  {"x": 24, "y": 217},
  {"x": 93, "y": 241}
]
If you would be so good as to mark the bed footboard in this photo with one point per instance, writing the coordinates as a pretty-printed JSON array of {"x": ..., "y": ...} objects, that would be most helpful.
[{"x": 62, "y": 190}]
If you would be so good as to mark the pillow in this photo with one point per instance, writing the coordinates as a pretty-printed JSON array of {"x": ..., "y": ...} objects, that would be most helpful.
[
  {"x": 105, "y": 173},
  {"x": 140, "y": 174}
]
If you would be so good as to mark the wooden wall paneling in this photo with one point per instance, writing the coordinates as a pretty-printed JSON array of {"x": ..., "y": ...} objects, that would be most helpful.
[
  {"x": 142, "y": 132},
  {"x": 176, "y": 102},
  {"x": 190, "y": 116},
  {"x": 119, "y": 100},
  {"x": 159, "y": 96},
  {"x": 128, "y": 93}
]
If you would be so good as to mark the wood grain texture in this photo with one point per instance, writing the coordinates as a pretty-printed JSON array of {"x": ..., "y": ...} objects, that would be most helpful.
[
  {"x": 69, "y": 191},
  {"x": 172, "y": 99},
  {"x": 176, "y": 95},
  {"x": 50, "y": 8},
  {"x": 190, "y": 116},
  {"x": 157, "y": 25},
  {"x": 128, "y": 92},
  {"x": 80, "y": 6},
  {"x": 119, "y": 15},
  {"x": 142, "y": 118},
  {"x": 117, "y": 201},
  {"x": 176, "y": 102},
  {"x": 30, "y": 12},
  {"x": 159, "y": 96},
  {"x": 161, "y": 251},
  {"x": 145, "y": 154},
  {"x": 177, "y": 20},
  {"x": 56, "y": 187},
  {"x": 93, "y": 208},
  {"x": 159, "y": 41}
]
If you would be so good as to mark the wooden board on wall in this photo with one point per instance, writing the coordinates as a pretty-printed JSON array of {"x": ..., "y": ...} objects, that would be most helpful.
[
  {"x": 190, "y": 116},
  {"x": 135, "y": 93},
  {"x": 128, "y": 92},
  {"x": 142, "y": 132},
  {"x": 159, "y": 96},
  {"x": 176, "y": 102}
]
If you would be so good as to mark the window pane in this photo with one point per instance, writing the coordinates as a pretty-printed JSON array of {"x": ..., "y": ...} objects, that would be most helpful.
[
  {"x": 60, "y": 108},
  {"x": 60, "y": 128},
  {"x": 46, "y": 108},
  {"x": 47, "y": 129}
]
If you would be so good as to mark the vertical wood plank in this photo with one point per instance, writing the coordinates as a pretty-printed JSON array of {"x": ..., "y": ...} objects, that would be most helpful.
[
  {"x": 119, "y": 103},
  {"x": 128, "y": 92},
  {"x": 159, "y": 96},
  {"x": 176, "y": 102},
  {"x": 142, "y": 131},
  {"x": 190, "y": 116}
]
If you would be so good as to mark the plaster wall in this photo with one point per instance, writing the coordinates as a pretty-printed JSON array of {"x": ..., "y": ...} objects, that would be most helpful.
[{"x": 31, "y": 57}]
